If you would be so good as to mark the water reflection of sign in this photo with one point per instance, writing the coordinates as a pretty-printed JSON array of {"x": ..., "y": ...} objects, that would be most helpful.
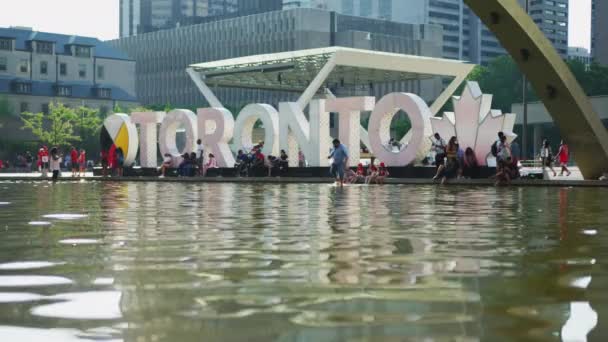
[{"x": 474, "y": 122}]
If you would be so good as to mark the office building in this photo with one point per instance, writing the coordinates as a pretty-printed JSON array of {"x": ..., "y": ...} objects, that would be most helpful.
[
  {"x": 464, "y": 35},
  {"x": 552, "y": 18},
  {"x": 580, "y": 54},
  {"x": 141, "y": 16},
  {"x": 247, "y": 7},
  {"x": 37, "y": 68},
  {"x": 599, "y": 31},
  {"x": 163, "y": 56}
]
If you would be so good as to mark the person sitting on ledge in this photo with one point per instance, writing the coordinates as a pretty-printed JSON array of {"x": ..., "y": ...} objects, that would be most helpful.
[
  {"x": 241, "y": 164},
  {"x": 167, "y": 162},
  {"x": 360, "y": 174},
  {"x": 470, "y": 166},
  {"x": 382, "y": 174},
  {"x": 184, "y": 165},
  {"x": 258, "y": 164},
  {"x": 506, "y": 171},
  {"x": 372, "y": 172},
  {"x": 283, "y": 163},
  {"x": 450, "y": 168},
  {"x": 211, "y": 164},
  {"x": 354, "y": 177},
  {"x": 272, "y": 163},
  {"x": 193, "y": 170}
]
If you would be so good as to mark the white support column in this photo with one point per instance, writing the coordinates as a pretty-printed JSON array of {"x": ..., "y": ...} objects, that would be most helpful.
[
  {"x": 314, "y": 86},
  {"x": 204, "y": 89},
  {"x": 447, "y": 93}
]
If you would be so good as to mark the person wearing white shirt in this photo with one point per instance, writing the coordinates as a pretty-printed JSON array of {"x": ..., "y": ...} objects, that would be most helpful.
[
  {"x": 55, "y": 163},
  {"x": 200, "y": 156},
  {"x": 167, "y": 162}
]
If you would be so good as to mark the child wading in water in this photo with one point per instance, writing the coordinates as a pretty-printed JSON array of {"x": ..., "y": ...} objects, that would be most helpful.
[{"x": 55, "y": 163}]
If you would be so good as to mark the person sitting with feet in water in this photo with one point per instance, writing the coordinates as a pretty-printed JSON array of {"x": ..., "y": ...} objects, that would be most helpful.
[
  {"x": 382, "y": 174},
  {"x": 451, "y": 166},
  {"x": 167, "y": 162}
]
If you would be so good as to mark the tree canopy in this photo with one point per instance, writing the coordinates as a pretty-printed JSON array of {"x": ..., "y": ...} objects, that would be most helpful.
[
  {"x": 62, "y": 126},
  {"x": 503, "y": 79}
]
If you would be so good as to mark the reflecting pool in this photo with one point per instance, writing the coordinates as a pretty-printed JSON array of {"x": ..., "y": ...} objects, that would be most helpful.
[{"x": 87, "y": 261}]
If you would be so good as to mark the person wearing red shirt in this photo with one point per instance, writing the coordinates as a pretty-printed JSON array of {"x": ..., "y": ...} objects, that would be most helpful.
[
  {"x": 372, "y": 172},
  {"x": 82, "y": 162},
  {"x": 563, "y": 155},
  {"x": 74, "y": 161}
]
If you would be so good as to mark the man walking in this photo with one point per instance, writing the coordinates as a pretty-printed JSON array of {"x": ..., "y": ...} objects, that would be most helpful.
[{"x": 340, "y": 161}]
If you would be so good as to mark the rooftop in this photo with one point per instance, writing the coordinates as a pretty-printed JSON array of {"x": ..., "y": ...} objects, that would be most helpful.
[
  {"x": 24, "y": 35},
  {"x": 295, "y": 70}
]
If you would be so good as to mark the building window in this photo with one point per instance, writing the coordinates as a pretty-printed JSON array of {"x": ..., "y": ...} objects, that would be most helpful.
[
  {"x": 63, "y": 69},
  {"x": 101, "y": 72},
  {"x": 24, "y": 65},
  {"x": 45, "y": 108},
  {"x": 64, "y": 91},
  {"x": 3, "y": 64},
  {"x": 44, "y": 66},
  {"x": 82, "y": 70},
  {"x": 44, "y": 48},
  {"x": 22, "y": 88},
  {"x": 24, "y": 107},
  {"x": 82, "y": 51},
  {"x": 6, "y": 44},
  {"x": 104, "y": 93}
]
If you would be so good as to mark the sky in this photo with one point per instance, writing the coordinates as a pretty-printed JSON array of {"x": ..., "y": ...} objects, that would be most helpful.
[{"x": 99, "y": 18}]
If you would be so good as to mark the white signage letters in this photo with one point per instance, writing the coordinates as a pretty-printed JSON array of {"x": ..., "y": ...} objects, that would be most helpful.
[
  {"x": 349, "y": 120},
  {"x": 148, "y": 122},
  {"x": 168, "y": 131},
  {"x": 216, "y": 128},
  {"x": 311, "y": 137},
  {"x": 290, "y": 130},
  {"x": 246, "y": 120}
]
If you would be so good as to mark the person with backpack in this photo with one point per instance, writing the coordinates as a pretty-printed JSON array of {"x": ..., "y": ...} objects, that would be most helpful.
[
  {"x": 495, "y": 147},
  {"x": 546, "y": 157}
]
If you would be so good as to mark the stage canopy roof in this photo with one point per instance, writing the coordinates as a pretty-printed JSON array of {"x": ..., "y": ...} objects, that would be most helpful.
[{"x": 296, "y": 70}]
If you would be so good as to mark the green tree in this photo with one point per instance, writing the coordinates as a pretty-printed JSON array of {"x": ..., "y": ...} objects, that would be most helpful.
[
  {"x": 502, "y": 79},
  {"x": 89, "y": 126},
  {"x": 55, "y": 128}
]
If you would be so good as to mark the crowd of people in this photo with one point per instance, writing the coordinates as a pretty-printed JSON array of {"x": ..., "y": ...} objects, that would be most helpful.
[
  {"x": 454, "y": 162},
  {"x": 450, "y": 159},
  {"x": 75, "y": 161}
]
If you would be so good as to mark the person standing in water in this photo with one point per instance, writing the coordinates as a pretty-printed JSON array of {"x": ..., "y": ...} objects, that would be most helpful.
[
  {"x": 55, "y": 163},
  {"x": 340, "y": 161},
  {"x": 563, "y": 155}
]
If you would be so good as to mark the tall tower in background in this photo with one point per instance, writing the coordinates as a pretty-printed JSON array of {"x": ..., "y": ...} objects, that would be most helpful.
[
  {"x": 141, "y": 16},
  {"x": 246, "y": 7},
  {"x": 599, "y": 31}
]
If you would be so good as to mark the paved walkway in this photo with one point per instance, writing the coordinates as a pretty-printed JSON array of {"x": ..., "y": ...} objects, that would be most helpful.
[{"x": 560, "y": 182}]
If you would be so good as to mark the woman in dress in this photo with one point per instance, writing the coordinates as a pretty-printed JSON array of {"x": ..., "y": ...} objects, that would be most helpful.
[{"x": 563, "y": 155}]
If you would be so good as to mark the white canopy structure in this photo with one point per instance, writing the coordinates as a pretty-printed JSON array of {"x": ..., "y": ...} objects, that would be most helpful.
[{"x": 314, "y": 70}]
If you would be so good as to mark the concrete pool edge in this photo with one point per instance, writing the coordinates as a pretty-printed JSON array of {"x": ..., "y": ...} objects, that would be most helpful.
[{"x": 315, "y": 180}]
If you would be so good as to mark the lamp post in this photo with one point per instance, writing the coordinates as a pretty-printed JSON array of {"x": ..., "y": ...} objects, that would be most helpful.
[{"x": 524, "y": 145}]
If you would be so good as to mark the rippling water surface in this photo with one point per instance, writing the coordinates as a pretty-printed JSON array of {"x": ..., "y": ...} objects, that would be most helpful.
[{"x": 227, "y": 262}]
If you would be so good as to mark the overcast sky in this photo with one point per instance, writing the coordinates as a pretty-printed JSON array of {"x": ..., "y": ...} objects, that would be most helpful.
[{"x": 99, "y": 18}]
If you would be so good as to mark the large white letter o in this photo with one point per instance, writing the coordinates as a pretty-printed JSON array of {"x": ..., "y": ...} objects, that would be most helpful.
[
  {"x": 168, "y": 131},
  {"x": 380, "y": 122},
  {"x": 246, "y": 120}
]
